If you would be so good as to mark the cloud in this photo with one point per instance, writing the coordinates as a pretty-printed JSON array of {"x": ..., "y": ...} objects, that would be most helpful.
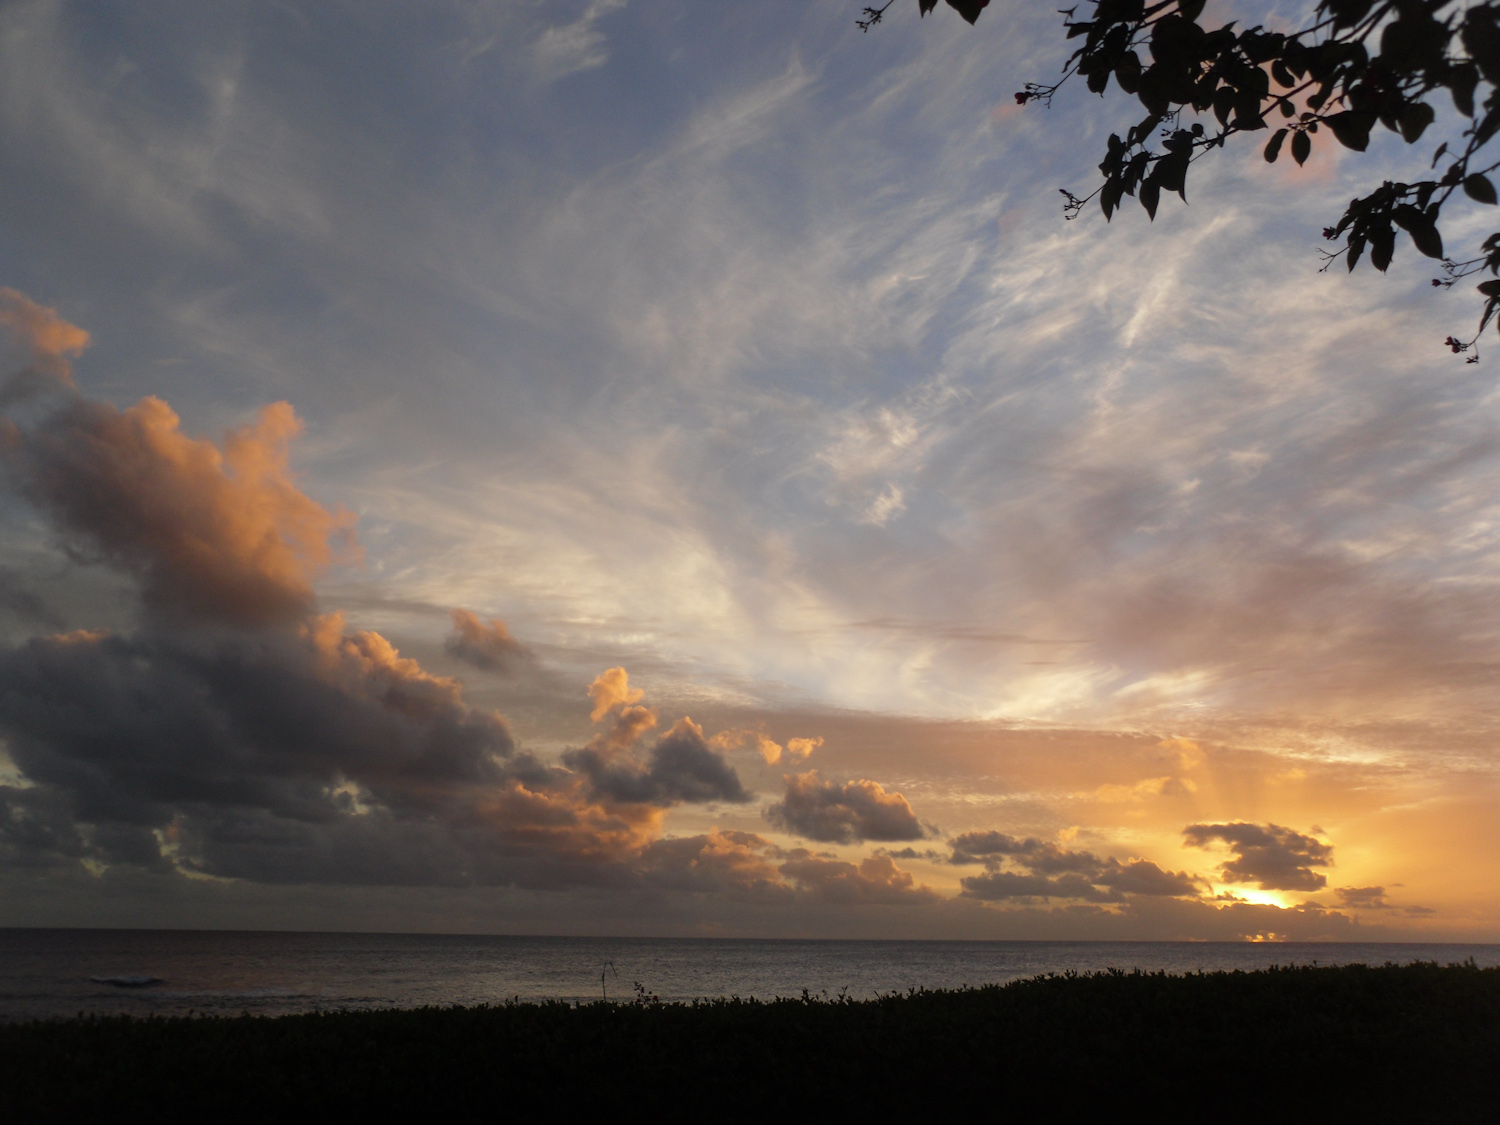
[
  {"x": 214, "y": 533},
  {"x": 875, "y": 881},
  {"x": 772, "y": 752},
  {"x": 617, "y": 705},
  {"x": 564, "y": 50},
  {"x": 1039, "y": 855},
  {"x": 1373, "y": 898},
  {"x": 248, "y": 748},
  {"x": 998, "y": 885},
  {"x": 316, "y": 754},
  {"x": 974, "y": 847},
  {"x": 308, "y": 755},
  {"x": 1048, "y": 871},
  {"x": 911, "y": 853},
  {"x": 48, "y": 338},
  {"x": 1200, "y": 919},
  {"x": 611, "y": 691},
  {"x": 1257, "y": 487},
  {"x": 131, "y": 725},
  {"x": 856, "y": 810},
  {"x": 1273, "y": 857},
  {"x": 800, "y": 749},
  {"x": 1362, "y": 898},
  {"x": 487, "y": 646},
  {"x": 1148, "y": 787},
  {"x": 681, "y": 766},
  {"x": 24, "y": 603},
  {"x": 1108, "y": 881},
  {"x": 743, "y": 737},
  {"x": 1239, "y": 534},
  {"x": 1142, "y": 877},
  {"x": 38, "y": 830},
  {"x": 1186, "y": 753},
  {"x": 719, "y": 861},
  {"x": 241, "y": 735}
]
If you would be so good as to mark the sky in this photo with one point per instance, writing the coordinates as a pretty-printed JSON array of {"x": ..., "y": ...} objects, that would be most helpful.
[{"x": 670, "y": 468}]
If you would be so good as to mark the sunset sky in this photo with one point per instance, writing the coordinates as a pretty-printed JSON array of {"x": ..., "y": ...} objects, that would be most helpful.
[{"x": 669, "y": 468}]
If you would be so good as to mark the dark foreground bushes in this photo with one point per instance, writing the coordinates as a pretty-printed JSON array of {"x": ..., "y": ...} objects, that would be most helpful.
[{"x": 1415, "y": 1042}]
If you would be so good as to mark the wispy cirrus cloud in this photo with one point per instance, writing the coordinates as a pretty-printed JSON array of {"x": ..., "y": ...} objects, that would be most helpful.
[
  {"x": 568, "y": 48},
  {"x": 759, "y": 361}
]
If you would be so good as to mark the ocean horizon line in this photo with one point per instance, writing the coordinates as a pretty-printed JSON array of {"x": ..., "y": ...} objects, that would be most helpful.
[{"x": 783, "y": 939}]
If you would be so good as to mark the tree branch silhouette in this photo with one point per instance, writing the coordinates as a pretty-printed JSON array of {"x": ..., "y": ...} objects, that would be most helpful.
[{"x": 1358, "y": 64}]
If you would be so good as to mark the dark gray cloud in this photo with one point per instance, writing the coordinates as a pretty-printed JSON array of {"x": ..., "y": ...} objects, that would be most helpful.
[
  {"x": 486, "y": 645},
  {"x": 1373, "y": 898},
  {"x": 1142, "y": 877},
  {"x": 911, "y": 853},
  {"x": 1362, "y": 898},
  {"x": 38, "y": 830},
  {"x": 975, "y": 847},
  {"x": 680, "y": 767},
  {"x": 1048, "y": 871},
  {"x": 513, "y": 836},
  {"x": 997, "y": 885},
  {"x": 842, "y": 814},
  {"x": 18, "y": 599},
  {"x": 131, "y": 726},
  {"x": 1272, "y": 857},
  {"x": 1037, "y": 855},
  {"x": 315, "y": 756}
]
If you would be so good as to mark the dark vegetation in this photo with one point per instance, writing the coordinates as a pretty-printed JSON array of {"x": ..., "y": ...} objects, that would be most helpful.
[
  {"x": 1356, "y": 65},
  {"x": 1413, "y": 1043}
]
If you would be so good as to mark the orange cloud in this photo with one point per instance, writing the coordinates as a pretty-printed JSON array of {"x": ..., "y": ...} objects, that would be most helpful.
[
  {"x": 488, "y": 646},
  {"x": 1188, "y": 754},
  {"x": 743, "y": 737},
  {"x": 795, "y": 750},
  {"x": 79, "y": 637},
  {"x": 617, "y": 701},
  {"x": 1149, "y": 787},
  {"x": 48, "y": 337},
  {"x": 214, "y": 533},
  {"x": 611, "y": 689},
  {"x": 351, "y": 660},
  {"x": 800, "y": 749}
]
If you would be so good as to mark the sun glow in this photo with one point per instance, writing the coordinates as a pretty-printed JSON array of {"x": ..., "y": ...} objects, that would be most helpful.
[{"x": 1255, "y": 896}]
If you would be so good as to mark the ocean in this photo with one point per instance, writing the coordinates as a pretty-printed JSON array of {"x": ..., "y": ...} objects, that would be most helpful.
[{"x": 48, "y": 974}]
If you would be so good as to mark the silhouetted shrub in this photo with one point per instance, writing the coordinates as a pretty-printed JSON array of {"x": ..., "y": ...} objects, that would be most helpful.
[{"x": 1415, "y": 1042}]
